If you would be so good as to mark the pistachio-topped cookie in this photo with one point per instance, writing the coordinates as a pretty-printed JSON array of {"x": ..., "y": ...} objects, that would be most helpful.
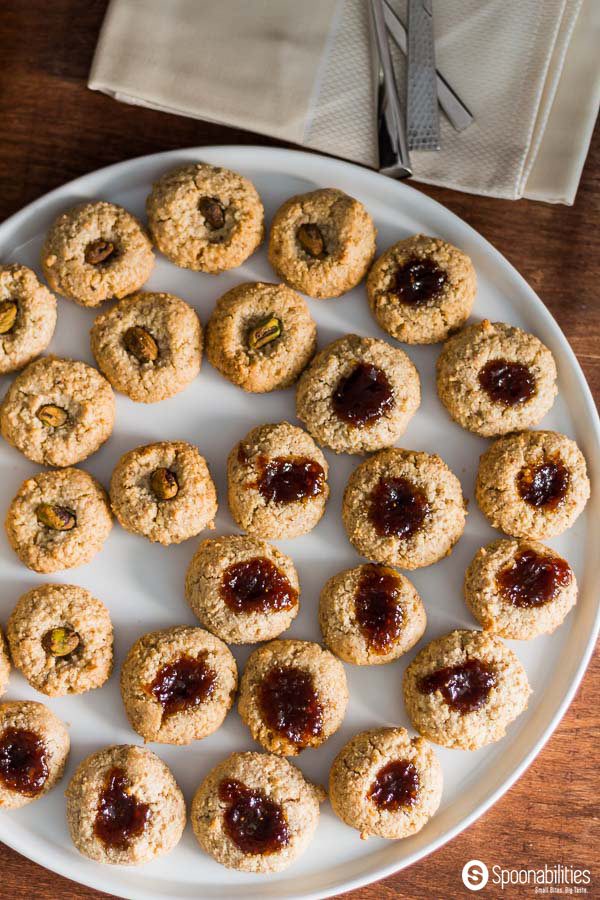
[
  {"x": 96, "y": 251},
  {"x": 58, "y": 520},
  {"x": 261, "y": 336},
  {"x": 255, "y": 812},
  {"x": 27, "y": 317},
  {"x": 277, "y": 481},
  {"x": 403, "y": 508},
  {"x": 463, "y": 690},
  {"x": 358, "y": 394},
  {"x": 494, "y": 378},
  {"x": 61, "y": 639},
  {"x": 163, "y": 491},
  {"x": 322, "y": 243},
  {"x": 385, "y": 783},
  {"x": 124, "y": 806},
  {"x": 421, "y": 289},
  {"x": 57, "y": 412},
  {"x": 205, "y": 217},
  {"x": 34, "y": 746},
  {"x": 149, "y": 346},
  {"x": 178, "y": 684},
  {"x": 242, "y": 589},
  {"x": 293, "y": 695},
  {"x": 532, "y": 484}
]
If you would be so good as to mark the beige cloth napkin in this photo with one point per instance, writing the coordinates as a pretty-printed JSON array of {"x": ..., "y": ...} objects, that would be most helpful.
[{"x": 302, "y": 71}]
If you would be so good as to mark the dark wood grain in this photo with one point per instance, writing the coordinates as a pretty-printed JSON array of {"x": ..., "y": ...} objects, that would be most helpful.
[{"x": 54, "y": 129}]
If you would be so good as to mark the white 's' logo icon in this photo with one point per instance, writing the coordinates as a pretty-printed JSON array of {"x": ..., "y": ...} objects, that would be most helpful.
[{"x": 475, "y": 875}]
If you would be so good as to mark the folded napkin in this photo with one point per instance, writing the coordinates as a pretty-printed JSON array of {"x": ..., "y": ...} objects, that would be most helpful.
[{"x": 302, "y": 72}]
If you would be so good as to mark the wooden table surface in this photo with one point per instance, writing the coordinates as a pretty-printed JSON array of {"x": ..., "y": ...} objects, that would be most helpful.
[{"x": 54, "y": 129}]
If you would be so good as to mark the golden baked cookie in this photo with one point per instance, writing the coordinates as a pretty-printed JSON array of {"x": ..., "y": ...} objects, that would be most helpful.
[
  {"x": 255, "y": 812},
  {"x": 421, "y": 289},
  {"x": 463, "y": 690},
  {"x": 293, "y": 695},
  {"x": 322, "y": 243},
  {"x": 4, "y": 664},
  {"x": 124, "y": 806},
  {"x": 261, "y": 336},
  {"x": 34, "y": 746},
  {"x": 277, "y": 482},
  {"x": 494, "y": 378},
  {"x": 58, "y": 520},
  {"x": 164, "y": 492},
  {"x": 96, "y": 251},
  {"x": 385, "y": 783},
  {"x": 205, "y": 217},
  {"x": 370, "y": 615},
  {"x": 178, "y": 684},
  {"x": 242, "y": 589},
  {"x": 532, "y": 484},
  {"x": 58, "y": 412},
  {"x": 61, "y": 639},
  {"x": 403, "y": 508},
  {"x": 149, "y": 346},
  {"x": 358, "y": 395},
  {"x": 519, "y": 589},
  {"x": 27, "y": 317}
]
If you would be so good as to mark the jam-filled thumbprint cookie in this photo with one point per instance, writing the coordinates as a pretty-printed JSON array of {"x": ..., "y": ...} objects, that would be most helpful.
[
  {"x": 124, "y": 806},
  {"x": 403, "y": 508},
  {"x": 463, "y": 690},
  {"x": 370, "y": 615},
  {"x": 34, "y": 746},
  {"x": 519, "y": 589},
  {"x": 255, "y": 812},
  {"x": 242, "y": 589},
  {"x": 293, "y": 695},
  {"x": 422, "y": 289},
  {"x": 494, "y": 378},
  {"x": 532, "y": 484},
  {"x": 277, "y": 482},
  {"x": 385, "y": 783},
  {"x": 358, "y": 395},
  {"x": 178, "y": 684}
]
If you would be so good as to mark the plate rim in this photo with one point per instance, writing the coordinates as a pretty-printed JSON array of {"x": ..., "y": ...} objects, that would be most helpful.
[{"x": 379, "y": 872}]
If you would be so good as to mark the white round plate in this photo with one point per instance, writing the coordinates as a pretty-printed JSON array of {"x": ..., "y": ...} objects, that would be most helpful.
[{"x": 142, "y": 583}]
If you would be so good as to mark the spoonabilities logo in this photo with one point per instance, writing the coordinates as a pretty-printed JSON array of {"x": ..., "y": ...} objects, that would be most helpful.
[{"x": 475, "y": 875}]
